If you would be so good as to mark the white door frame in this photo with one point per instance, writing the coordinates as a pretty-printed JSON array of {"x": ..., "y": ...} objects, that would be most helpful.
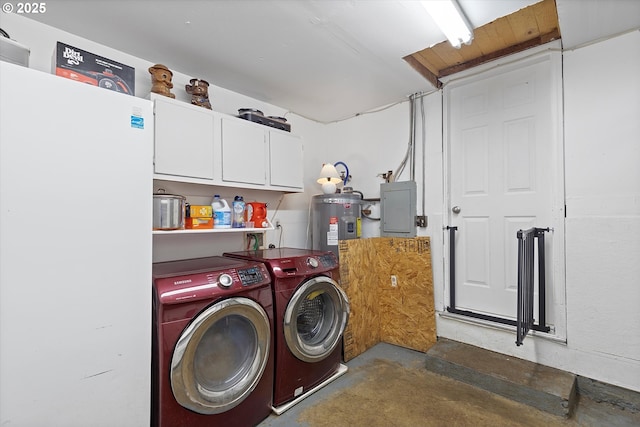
[{"x": 556, "y": 257}]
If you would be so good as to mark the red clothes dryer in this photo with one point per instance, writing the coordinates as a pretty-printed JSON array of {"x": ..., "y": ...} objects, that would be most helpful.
[
  {"x": 213, "y": 357},
  {"x": 311, "y": 313}
]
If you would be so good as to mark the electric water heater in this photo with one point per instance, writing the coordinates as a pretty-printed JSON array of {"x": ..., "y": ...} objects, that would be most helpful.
[{"x": 334, "y": 217}]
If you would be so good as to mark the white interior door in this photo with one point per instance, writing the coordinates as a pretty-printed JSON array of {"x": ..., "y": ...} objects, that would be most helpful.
[{"x": 502, "y": 176}]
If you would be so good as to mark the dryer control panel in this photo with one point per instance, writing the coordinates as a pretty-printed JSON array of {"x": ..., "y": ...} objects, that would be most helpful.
[{"x": 328, "y": 261}]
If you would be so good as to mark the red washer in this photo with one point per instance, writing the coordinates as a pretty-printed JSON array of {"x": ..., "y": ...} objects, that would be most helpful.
[
  {"x": 213, "y": 353},
  {"x": 311, "y": 313}
]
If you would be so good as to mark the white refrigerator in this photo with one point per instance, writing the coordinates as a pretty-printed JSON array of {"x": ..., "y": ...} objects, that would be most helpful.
[{"x": 75, "y": 253}]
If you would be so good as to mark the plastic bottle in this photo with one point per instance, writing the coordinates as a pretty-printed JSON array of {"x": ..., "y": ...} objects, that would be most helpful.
[
  {"x": 221, "y": 212},
  {"x": 238, "y": 212}
]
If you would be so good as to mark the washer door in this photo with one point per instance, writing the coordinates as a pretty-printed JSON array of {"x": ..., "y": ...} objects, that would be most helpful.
[
  {"x": 315, "y": 319},
  {"x": 221, "y": 356}
]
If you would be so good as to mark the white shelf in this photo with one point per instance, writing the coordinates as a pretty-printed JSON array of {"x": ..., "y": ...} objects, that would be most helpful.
[{"x": 214, "y": 230}]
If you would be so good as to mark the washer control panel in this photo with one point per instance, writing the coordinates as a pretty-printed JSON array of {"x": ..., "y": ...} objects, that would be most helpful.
[
  {"x": 251, "y": 276},
  {"x": 200, "y": 278}
]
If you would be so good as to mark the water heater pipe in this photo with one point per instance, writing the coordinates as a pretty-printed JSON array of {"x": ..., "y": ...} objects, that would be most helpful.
[{"x": 346, "y": 175}]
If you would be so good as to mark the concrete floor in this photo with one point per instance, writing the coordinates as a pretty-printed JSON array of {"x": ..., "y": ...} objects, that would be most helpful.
[{"x": 388, "y": 386}]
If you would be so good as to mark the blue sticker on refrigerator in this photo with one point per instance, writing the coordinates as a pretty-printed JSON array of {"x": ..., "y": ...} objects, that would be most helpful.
[{"x": 137, "y": 122}]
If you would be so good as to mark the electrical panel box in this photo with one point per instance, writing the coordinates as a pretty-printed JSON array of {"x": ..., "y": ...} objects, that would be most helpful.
[{"x": 398, "y": 209}]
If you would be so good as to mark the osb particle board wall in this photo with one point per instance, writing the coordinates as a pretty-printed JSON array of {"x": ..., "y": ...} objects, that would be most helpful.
[{"x": 403, "y": 315}]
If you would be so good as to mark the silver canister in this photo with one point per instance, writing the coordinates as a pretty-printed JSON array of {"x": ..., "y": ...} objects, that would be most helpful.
[{"x": 168, "y": 211}]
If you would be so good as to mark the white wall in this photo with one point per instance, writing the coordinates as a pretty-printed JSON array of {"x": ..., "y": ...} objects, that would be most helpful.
[
  {"x": 602, "y": 143},
  {"x": 602, "y": 147}
]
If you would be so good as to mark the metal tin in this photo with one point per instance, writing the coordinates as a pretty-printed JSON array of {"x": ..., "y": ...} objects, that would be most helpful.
[{"x": 168, "y": 211}]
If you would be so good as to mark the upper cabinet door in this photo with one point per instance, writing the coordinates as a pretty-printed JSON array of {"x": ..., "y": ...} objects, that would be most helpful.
[
  {"x": 244, "y": 152},
  {"x": 286, "y": 160},
  {"x": 183, "y": 139}
]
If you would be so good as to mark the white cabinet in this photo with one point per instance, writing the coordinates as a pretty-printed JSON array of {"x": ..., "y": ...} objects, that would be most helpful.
[
  {"x": 244, "y": 152},
  {"x": 184, "y": 136},
  {"x": 255, "y": 154},
  {"x": 285, "y": 160},
  {"x": 200, "y": 146}
]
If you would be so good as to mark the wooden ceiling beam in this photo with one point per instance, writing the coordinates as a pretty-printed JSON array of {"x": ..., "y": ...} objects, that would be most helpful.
[
  {"x": 545, "y": 38},
  {"x": 424, "y": 71}
]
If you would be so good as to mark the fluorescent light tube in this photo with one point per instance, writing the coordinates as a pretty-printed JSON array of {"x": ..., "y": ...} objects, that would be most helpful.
[{"x": 451, "y": 20}]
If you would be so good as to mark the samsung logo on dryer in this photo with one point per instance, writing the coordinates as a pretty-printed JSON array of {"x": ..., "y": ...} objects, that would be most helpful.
[{"x": 182, "y": 282}]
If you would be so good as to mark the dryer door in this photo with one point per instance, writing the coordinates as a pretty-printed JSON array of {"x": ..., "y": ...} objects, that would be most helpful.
[
  {"x": 221, "y": 356},
  {"x": 315, "y": 319}
]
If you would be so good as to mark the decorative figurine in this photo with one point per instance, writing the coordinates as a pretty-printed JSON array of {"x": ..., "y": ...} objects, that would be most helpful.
[
  {"x": 161, "y": 80},
  {"x": 199, "y": 91}
]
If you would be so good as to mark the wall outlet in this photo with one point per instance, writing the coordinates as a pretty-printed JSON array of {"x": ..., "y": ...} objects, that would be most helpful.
[{"x": 394, "y": 281}]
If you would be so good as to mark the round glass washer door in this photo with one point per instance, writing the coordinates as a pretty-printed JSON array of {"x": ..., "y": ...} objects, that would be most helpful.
[
  {"x": 315, "y": 319},
  {"x": 221, "y": 356}
]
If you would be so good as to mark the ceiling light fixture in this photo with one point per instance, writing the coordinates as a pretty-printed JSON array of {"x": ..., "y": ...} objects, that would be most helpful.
[{"x": 451, "y": 20}]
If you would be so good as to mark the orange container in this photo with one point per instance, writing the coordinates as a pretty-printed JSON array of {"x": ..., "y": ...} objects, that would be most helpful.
[
  {"x": 198, "y": 223},
  {"x": 199, "y": 211},
  {"x": 256, "y": 213}
]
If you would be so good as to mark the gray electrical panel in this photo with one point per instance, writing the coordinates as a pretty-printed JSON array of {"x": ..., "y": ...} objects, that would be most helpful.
[{"x": 398, "y": 209}]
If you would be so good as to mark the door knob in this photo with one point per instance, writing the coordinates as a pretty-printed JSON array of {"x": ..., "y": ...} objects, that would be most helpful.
[{"x": 455, "y": 209}]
